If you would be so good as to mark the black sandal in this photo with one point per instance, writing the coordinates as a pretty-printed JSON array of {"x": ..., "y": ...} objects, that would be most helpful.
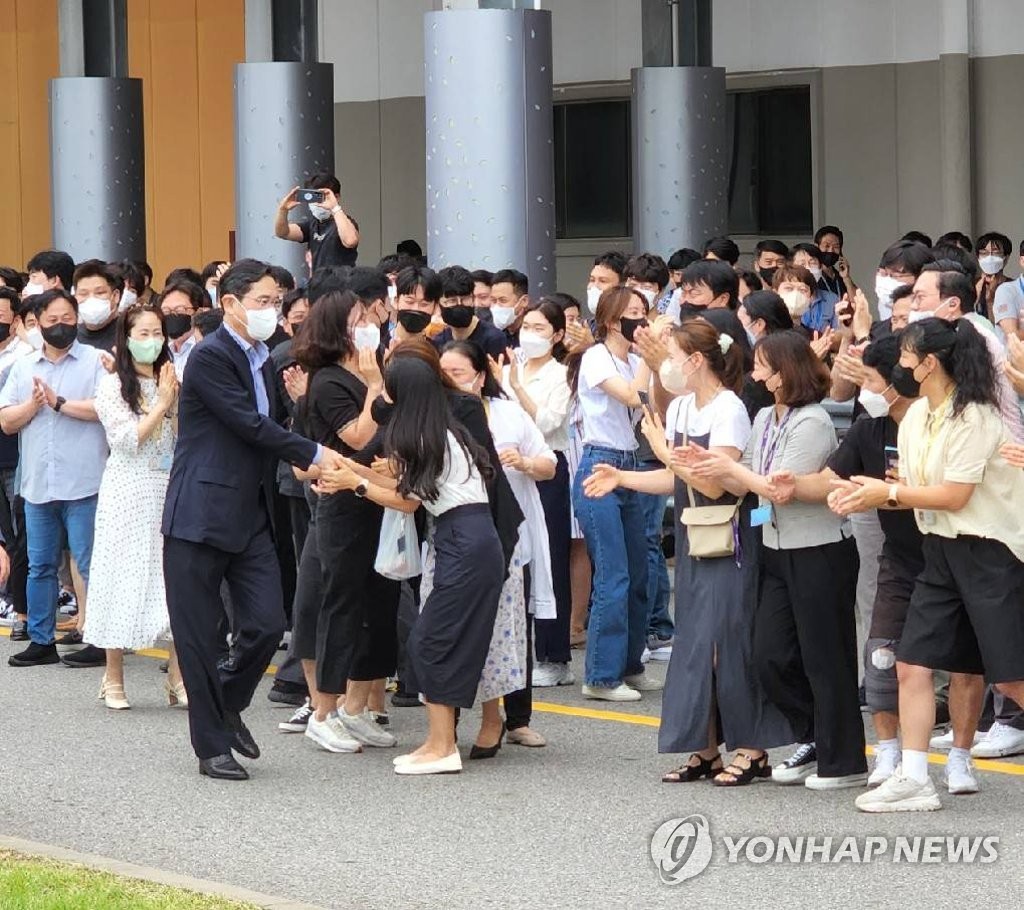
[
  {"x": 757, "y": 769},
  {"x": 704, "y": 769}
]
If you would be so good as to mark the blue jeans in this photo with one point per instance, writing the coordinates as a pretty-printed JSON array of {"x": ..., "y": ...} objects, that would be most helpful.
[
  {"x": 613, "y": 527},
  {"x": 43, "y": 525},
  {"x": 659, "y": 623}
]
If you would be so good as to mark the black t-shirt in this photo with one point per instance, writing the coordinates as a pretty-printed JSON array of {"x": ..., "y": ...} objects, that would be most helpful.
[
  {"x": 325, "y": 245},
  {"x": 335, "y": 399},
  {"x": 100, "y": 338},
  {"x": 862, "y": 451},
  {"x": 493, "y": 341}
]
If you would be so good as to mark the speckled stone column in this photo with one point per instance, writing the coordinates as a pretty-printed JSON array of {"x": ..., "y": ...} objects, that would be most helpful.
[
  {"x": 490, "y": 155},
  {"x": 284, "y": 133},
  {"x": 680, "y": 157},
  {"x": 97, "y": 167}
]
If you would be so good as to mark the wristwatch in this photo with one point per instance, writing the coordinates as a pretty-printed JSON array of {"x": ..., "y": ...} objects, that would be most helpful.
[
  {"x": 336, "y": 209},
  {"x": 59, "y": 403},
  {"x": 362, "y": 488},
  {"x": 894, "y": 496}
]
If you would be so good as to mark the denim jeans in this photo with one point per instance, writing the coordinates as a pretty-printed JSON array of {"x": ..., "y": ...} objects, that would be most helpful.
[
  {"x": 659, "y": 623},
  {"x": 613, "y": 527},
  {"x": 44, "y": 523}
]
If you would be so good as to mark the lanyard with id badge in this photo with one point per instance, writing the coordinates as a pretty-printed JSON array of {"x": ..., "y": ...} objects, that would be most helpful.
[
  {"x": 763, "y": 513},
  {"x": 933, "y": 427}
]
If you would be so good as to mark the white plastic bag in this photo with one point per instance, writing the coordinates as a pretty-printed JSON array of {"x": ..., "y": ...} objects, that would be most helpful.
[{"x": 398, "y": 552}]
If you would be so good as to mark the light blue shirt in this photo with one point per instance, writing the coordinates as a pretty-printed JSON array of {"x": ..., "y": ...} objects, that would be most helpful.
[
  {"x": 257, "y": 354},
  {"x": 62, "y": 459}
]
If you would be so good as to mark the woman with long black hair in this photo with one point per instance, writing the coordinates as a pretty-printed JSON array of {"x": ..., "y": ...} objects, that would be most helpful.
[{"x": 437, "y": 465}]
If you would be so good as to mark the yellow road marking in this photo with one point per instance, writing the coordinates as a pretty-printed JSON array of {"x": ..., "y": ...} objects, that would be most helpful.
[{"x": 645, "y": 720}]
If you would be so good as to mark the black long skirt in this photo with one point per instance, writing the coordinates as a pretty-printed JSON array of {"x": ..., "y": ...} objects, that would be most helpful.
[{"x": 449, "y": 642}]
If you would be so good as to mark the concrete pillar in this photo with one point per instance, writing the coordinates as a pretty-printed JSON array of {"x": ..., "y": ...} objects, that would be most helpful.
[
  {"x": 490, "y": 161},
  {"x": 680, "y": 157},
  {"x": 955, "y": 153}
]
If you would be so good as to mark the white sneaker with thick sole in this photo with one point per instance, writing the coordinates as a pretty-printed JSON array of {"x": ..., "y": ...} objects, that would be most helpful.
[
  {"x": 329, "y": 734},
  {"x": 547, "y": 675},
  {"x": 798, "y": 767},
  {"x": 643, "y": 682},
  {"x": 960, "y": 779},
  {"x": 944, "y": 742},
  {"x": 839, "y": 782},
  {"x": 900, "y": 794},
  {"x": 364, "y": 729},
  {"x": 999, "y": 742},
  {"x": 621, "y": 692},
  {"x": 886, "y": 761}
]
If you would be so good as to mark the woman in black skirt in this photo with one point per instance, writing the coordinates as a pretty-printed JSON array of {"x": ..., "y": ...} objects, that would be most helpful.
[{"x": 438, "y": 465}]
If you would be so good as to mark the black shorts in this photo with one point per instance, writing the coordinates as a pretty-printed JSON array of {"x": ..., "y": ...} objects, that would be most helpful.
[
  {"x": 967, "y": 611},
  {"x": 892, "y": 599}
]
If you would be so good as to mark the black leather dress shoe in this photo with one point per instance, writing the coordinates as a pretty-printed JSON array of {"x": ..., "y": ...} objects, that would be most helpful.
[
  {"x": 222, "y": 767},
  {"x": 241, "y": 739}
]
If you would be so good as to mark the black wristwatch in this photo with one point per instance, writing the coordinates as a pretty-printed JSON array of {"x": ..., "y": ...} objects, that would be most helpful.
[
  {"x": 362, "y": 488},
  {"x": 59, "y": 403}
]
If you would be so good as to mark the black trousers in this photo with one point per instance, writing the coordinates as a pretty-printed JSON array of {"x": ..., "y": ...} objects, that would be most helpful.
[
  {"x": 299, "y": 512},
  {"x": 285, "y": 550},
  {"x": 408, "y": 613},
  {"x": 519, "y": 704},
  {"x": 193, "y": 573},
  {"x": 805, "y": 649},
  {"x": 552, "y": 635},
  {"x": 12, "y": 525}
]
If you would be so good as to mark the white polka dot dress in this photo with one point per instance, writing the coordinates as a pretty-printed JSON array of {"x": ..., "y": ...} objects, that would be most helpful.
[{"x": 127, "y": 604}]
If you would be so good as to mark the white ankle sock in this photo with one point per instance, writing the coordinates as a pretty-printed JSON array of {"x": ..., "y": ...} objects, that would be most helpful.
[
  {"x": 888, "y": 745},
  {"x": 915, "y": 765}
]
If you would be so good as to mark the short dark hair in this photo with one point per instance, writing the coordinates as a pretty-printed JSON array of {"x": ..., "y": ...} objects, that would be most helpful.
[
  {"x": 282, "y": 277},
  {"x": 909, "y": 256},
  {"x": 917, "y": 237},
  {"x": 954, "y": 252},
  {"x": 12, "y": 297},
  {"x": 409, "y": 248},
  {"x": 196, "y": 294},
  {"x": 904, "y": 290},
  {"x": 794, "y": 273},
  {"x": 420, "y": 276},
  {"x": 145, "y": 268},
  {"x": 206, "y": 322},
  {"x": 883, "y": 355},
  {"x": 393, "y": 263},
  {"x": 242, "y": 275},
  {"x": 455, "y": 281},
  {"x": 482, "y": 276},
  {"x": 26, "y": 306},
  {"x": 805, "y": 379},
  {"x": 185, "y": 273},
  {"x": 292, "y": 298},
  {"x": 210, "y": 270},
  {"x": 957, "y": 238},
  {"x": 97, "y": 268},
  {"x": 132, "y": 275},
  {"x": 54, "y": 264},
  {"x": 824, "y": 231},
  {"x": 811, "y": 249},
  {"x": 368, "y": 284},
  {"x": 751, "y": 279},
  {"x": 562, "y": 301},
  {"x": 11, "y": 278},
  {"x": 770, "y": 307},
  {"x": 612, "y": 259},
  {"x": 1000, "y": 240},
  {"x": 40, "y": 302},
  {"x": 520, "y": 283},
  {"x": 681, "y": 258},
  {"x": 954, "y": 281},
  {"x": 719, "y": 277},
  {"x": 647, "y": 267},
  {"x": 325, "y": 181},
  {"x": 723, "y": 248},
  {"x": 771, "y": 246},
  {"x": 327, "y": 279}
]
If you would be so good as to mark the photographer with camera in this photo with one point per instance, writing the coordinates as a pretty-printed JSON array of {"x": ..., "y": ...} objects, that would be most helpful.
[{"x": 330, "y": 233}]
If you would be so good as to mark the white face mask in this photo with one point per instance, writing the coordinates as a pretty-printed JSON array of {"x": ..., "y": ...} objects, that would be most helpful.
[
  {"x": 469, "y": 387},
  {"x": 319, "y": 212},
  {"x": 917, "y": 315},
  {"x": 31, "y": 289},
  {"x": 261, "y": 324},
  {"x": 503, "y": 316},
  {"x": 366, "y": 337},
  {"x": 593, "y": 295},
  {"x": 884, "y": 287},
  {"x": 128, "y": 298},
  {"x": 648, "y": 296},
  {"x": 991, "y": 265},
  {"x": 874, "y": 403},
  {"x": 815, "y": 270},
  {"x": 672, "y": 377},
  {"x": 796, "y": 302},
  {"x": 35, "y": 338},
  {"x": 94, "y": 311},
  {"x": 392, "y": 293},
  {"x": 533, "y": 345}
]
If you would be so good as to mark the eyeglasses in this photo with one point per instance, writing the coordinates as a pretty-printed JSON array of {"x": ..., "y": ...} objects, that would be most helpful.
[{"x": 262, "y": 302}]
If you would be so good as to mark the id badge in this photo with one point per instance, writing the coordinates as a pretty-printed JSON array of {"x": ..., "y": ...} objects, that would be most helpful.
[
  {"x": 927, "y": 518},
  {"x": 161, "y": 462},
  {"x": 760, "y": 516}
]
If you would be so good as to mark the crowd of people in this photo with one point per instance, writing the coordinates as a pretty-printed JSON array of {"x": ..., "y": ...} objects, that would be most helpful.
[{"x": 439, "y": 484}]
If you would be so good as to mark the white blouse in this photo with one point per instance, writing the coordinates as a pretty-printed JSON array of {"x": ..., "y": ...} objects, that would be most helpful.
[
  {"x": 460, "y": 483},
  {"x": 548, "y": 388}
]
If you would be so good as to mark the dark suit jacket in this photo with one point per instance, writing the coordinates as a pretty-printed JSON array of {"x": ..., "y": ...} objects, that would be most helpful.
[{"x": 224, "y": 462}]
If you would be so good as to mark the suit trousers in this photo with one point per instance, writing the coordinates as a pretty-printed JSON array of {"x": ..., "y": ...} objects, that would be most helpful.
[{"x": 193, "y": 573}]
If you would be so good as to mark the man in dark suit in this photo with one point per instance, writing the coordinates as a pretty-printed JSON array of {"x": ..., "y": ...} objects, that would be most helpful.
[{"x": 218, "y": 524}]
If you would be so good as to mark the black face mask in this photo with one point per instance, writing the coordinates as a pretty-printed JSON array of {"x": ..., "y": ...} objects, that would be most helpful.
[
  {"x": 903, "y": 381},
  {"x": 177, "y": 325},
  {"x": 829, "y": 259},
  {"x": 484, "y": 314},
  {"x": 767, "y": 275},
  {"x": 381, "y": 410},
  {"x": 413, "y": 321},
  {"x": 458, "y": 316},
  {"x": 61, "y": 336},
  {"x": 5, "y": 331},
  {"x": 629, "y": 327}
]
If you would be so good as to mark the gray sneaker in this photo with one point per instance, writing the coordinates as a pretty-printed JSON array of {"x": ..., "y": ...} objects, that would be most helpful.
[
  {"x": 660, "y": 648},
  {"x": 364, "y": 729}
]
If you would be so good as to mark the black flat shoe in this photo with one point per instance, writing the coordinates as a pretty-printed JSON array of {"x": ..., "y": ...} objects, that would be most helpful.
[
  {"x": 687, "y": 774},
  {"x": 222, "y": 767},
  {"x": 35, "y": 655},
  {"x": 487, "y": 751},
  {"x": 241, "y": 739},
  {"x": 735, "y": 776},
  {"x": 89, "y": 656}
]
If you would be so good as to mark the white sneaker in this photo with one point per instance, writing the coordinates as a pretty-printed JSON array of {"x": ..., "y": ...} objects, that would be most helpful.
[
  {"x": 837, "y": 782},
  {"x": 621, "y": 692},
  {"x": 329, "y": 734},
  {"x": 1000, "y": 741},
  {"x": 900, "y": 794},
  {"x": 944, "y": 742},
  {"x": 645, "y": 656},
  {"x": 642, "y": 682},
  {"x": 364, "y": 729},
  {"x": 886, "y": 761},
  {"x": 960, "y": 779},
  {"x": 546, "y": 675},
  {"x": 798, "y": 767},
  {"x": 659, "y": 648}
]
